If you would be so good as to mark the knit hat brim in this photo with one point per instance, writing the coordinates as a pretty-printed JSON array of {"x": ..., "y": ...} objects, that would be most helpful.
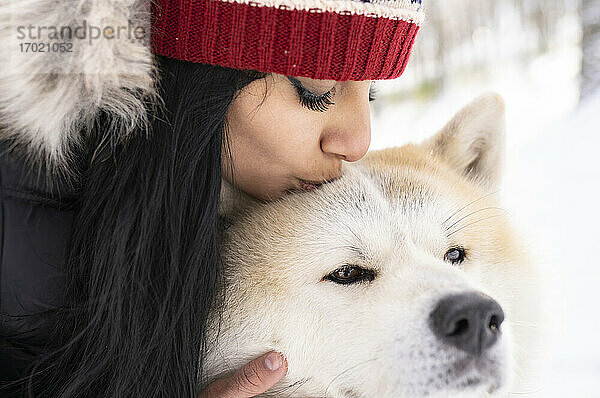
[{"x": 320, "y": 39}]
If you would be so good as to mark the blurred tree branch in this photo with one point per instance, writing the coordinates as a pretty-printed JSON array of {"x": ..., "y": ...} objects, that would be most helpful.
[{"x": 590, "y": 45}]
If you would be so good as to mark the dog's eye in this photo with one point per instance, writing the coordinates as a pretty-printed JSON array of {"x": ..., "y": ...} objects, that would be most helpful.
[
  {"x": 455, "y": 255},
  {"x": 350, "y": 274}
]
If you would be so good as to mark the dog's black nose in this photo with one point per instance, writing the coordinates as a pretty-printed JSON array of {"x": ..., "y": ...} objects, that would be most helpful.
[{"x": 467, "y": 321}]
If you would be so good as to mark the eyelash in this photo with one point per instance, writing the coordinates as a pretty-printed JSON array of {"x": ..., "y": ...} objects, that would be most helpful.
[
  {"x": 320, "y": 103},
  {"x": 312, "y": 101}
]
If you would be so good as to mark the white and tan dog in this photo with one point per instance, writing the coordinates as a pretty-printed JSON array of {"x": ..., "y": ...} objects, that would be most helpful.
[{"x": 403, "y": 278}]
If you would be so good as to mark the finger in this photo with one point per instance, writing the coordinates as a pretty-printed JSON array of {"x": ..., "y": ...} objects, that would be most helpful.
[{"x": 253, "y": 379}]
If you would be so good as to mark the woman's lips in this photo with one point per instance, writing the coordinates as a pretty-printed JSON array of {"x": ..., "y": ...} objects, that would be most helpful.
[{"x": 309, "y": 185}]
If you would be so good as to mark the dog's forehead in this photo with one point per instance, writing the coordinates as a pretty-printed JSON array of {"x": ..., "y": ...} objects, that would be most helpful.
[
  {"x": 376, "y": 211},
  {"x": 400, "y": 191},
  {"x": 366, "y": 201}
]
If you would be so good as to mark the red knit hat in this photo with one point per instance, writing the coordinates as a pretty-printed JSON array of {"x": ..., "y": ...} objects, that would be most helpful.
[{"x": 320, "y": 39}]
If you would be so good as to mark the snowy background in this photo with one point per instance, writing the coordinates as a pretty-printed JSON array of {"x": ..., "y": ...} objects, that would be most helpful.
[{"x": 543, "y": 57}]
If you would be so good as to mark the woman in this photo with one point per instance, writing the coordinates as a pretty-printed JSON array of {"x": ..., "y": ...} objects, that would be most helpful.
[{"x": 112, "y": 159}]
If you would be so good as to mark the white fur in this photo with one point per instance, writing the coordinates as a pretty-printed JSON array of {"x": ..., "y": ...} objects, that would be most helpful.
[
  {"x": 388, "y": 214},
  {"x": 48, "y": 99}
]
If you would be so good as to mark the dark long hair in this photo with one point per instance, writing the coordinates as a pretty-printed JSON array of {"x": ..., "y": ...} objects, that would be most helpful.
[{"x": 143, "y": 262}]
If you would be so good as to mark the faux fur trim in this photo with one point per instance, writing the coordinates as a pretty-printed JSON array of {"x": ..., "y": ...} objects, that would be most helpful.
[{"x": 49, "y": 99}]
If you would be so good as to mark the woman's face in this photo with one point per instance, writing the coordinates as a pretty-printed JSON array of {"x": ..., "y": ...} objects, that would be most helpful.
[{"x": 290, "y": 133}]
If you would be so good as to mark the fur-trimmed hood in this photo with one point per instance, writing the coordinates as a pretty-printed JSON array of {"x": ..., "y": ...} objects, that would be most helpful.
[{"x": 55, "y": 79}]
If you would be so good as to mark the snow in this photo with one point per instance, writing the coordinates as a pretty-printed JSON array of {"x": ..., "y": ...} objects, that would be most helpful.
[
  {"x": 552, "y": 188},
  {"x": 567, "y": 194}
]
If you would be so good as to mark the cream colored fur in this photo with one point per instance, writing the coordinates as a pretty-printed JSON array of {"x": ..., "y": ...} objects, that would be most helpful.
[
  {"x": 47, "y": 100},
  {"x": 390, "y": 213}
]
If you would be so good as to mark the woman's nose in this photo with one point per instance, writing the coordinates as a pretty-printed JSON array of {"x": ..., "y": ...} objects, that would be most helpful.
[{"x": 348, "y": 135}]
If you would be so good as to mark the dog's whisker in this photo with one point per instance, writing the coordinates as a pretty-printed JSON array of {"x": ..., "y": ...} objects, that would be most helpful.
[
  {"x": 474, "y": 212},
  {"x": 469, "y": 204},
  {"x": 522, "y": 349},
  {"x": 338, "y": 248},
  {"x": 297, "y": 384},
  {"x": 532, "y": 391},
  {"x": 472, "y": 223},
  {"x": 521, "y": 393},
  {"x": 524, "y": 324},
  {"x": 345, "y": 371}
]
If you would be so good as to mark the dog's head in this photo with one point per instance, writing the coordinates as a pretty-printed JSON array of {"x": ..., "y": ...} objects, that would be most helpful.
[{"x": 400, "y": 279}]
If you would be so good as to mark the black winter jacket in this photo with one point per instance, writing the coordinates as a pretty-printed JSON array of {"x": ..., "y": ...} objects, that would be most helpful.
[
  {"x": 48, "y": 104},
  {"x": 35, "y": 223}
]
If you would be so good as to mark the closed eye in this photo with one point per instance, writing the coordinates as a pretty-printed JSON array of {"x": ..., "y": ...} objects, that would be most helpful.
[{"x": 311, "y": 100}]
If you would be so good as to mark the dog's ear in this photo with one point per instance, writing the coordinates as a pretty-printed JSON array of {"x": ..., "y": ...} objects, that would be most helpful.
[{"x": 472, "y": 142}]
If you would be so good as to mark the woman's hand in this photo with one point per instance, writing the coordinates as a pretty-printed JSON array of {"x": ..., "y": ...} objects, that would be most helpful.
[{"x": 253, "y": 379}]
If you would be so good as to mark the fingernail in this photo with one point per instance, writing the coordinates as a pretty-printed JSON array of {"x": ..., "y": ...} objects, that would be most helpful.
[{"x": 273, "y": 361}]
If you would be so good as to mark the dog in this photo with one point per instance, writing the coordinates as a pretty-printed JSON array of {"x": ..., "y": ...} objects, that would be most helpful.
[{"x": 402, "y": 278}]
